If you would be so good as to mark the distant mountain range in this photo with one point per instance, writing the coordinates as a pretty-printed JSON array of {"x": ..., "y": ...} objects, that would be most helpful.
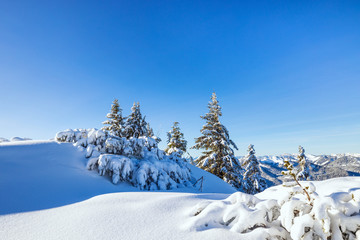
[{"x": 322, "y": 166}]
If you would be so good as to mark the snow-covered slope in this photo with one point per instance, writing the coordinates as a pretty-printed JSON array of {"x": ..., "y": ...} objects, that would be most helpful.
[
  {"x": 38, "y": 175},
  {"x": 135, "y": 215},
  {"x": 75, "y": 203}
]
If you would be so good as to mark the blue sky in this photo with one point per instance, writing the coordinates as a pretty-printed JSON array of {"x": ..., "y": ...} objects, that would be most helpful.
[{"x": 286, "y": 72}]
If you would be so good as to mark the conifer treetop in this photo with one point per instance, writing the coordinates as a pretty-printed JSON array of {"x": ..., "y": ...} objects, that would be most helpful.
[
  {"x": 176, "y": 141},
  {"x": 136, "y": 125},
  {"x": 253, "y": 182},
  {"x": 115, "y": 120}
]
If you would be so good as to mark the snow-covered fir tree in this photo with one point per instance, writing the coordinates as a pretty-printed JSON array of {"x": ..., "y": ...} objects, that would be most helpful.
[
  {"x": 135, "y": 125},
  {"x": 252, "y": 181},
  {"x": 176, "y": 142},
  {"x": 149, "y": 130},
  {"x": 115, "y": 123},
  {"x": 304, "y": 171},
  {"x": 218, "y": 155}
]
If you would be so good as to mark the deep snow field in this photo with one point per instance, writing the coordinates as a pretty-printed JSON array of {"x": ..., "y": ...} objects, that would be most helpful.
[{"x": 47, "y": 193}]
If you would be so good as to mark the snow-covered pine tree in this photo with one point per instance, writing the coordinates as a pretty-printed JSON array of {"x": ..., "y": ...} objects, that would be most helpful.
[
  {"x": 176, "y": 142},
  {"x": 252, "y": 181},
  {"x": 149, "y": 130},
  {"x": 135, "y": 125},
  {"x": 115, "y": 120},
  {"x": 304, "y": 171},
  {"x": 218, "y": 156}
]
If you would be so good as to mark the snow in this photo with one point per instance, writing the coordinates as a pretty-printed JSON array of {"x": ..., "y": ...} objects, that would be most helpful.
[
  {"x": 135, "y": 215},
  {"x": 48, "y": 193},
  {"x": 286, "y": 212}
]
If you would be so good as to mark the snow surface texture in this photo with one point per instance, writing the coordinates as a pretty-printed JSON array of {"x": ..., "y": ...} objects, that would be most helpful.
[
  {"x": 290, "y": 216},
  {"x": 137, "y": 161}
]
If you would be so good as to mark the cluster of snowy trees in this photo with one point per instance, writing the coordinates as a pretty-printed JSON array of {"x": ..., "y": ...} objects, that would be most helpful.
[
  {"x": 127, "y": 150},
  {"x": 134, "y": 125},
  {"x": 132, "y": 137}
]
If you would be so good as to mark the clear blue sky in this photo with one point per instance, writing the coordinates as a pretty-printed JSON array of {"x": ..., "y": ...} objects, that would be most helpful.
[{"x": 285, "y": 72}]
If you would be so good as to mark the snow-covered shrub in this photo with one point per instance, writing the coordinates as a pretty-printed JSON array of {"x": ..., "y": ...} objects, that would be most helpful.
[
  {"x": 242, "y": 213},
  {"x": 336, "y": 216},
  {"x": 120, "y": 168},
  {"x": 65, "y": 136},
  {"x": 148, "y": 173},
  {"x": 137, "y": 161},
  {"x": 114, "y": 145}
]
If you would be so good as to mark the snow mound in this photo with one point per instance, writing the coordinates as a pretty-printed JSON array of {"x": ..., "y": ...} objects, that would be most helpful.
[
  {"x": 14, "y": 139},
  {"x": 291, "y": 216},
  {"x": 137, "y": 161},
  {"x": 4, "y": 140}
]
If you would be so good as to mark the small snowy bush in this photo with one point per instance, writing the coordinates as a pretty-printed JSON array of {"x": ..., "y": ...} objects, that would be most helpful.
[
  {"x": 336, "y": 216},
  {"x": 137, "y": 161}
]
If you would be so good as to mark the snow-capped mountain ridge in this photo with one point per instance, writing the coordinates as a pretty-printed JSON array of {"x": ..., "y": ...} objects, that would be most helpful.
[{"x": 315, "y": 159}]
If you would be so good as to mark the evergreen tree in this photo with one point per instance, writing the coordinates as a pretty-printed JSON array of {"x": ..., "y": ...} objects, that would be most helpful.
[
  {"x": 176, "y": 142},
  {"x": 252, "y": 182},
  {"x": 115, "y": 120},
  {"x": 218, "y": 155},
  {"x": 135, "y": 125},
  {"x": 149, "y": 130},
  {"x": 304, "y": 171}
]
